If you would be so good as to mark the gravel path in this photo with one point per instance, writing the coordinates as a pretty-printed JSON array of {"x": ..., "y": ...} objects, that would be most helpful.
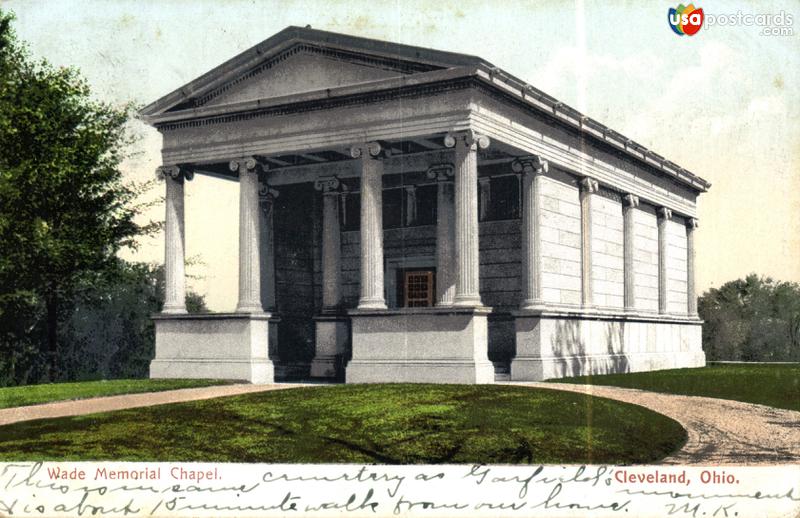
[
  {"x": 121, "y": 402},
  {"x": 720, "y": 431}
]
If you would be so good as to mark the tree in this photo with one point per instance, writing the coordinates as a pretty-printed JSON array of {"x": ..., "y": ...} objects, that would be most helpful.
[
  {"x": 110, "y": 334},
  {"x": 752, "y": 319},
  {"x": 65, "y": 211}
]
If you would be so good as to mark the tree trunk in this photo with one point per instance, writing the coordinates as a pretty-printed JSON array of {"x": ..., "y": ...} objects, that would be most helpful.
[{"x": 52, "y": 335}]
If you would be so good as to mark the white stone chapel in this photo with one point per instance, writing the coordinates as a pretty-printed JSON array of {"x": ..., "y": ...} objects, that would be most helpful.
[{"x": 413, "y": 215}]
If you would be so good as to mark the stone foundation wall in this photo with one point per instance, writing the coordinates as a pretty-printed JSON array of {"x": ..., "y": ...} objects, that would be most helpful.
[{"x": 562, "y": 346}]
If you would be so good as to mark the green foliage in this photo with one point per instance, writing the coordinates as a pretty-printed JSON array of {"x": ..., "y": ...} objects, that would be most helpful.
[
  {"x": 772, "y": 385},
  {"x": 109, "y": 334},
  {"x": 65, "y": 210},
  {"x": 752, "y": 319},
  {"x": 50, "y": 392},
  {"x": 392, "y": 424}
]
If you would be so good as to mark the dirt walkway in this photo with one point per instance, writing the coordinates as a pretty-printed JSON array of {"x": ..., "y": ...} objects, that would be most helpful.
[
  {"x": 121, "y": 402},
  {"x": 720, "y": 431}
]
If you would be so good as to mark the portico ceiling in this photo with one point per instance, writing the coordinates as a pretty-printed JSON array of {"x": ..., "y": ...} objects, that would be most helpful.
[{"x": 324, "y": 160}]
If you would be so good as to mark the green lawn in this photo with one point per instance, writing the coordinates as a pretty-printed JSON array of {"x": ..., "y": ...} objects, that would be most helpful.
[
  {"x": 35, "y": 394},
  {"x": 772, "y": 385},
  {"x": 393, "y": 423}
]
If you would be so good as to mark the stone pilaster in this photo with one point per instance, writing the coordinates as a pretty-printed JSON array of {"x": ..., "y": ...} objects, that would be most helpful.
[
  {"x": 663, "y": 214},
  {"x": 629, "y": 204},
  {"x": 691, "y": 288},
  {"x": 466, "y": 146},
  {"x": 532, "y": 168},
  {"x": 331, "y": 242},
  {"x": 588, "y": 187},
  {"x": 372, "y": 292},
  {"x": 174, "y": 239},
  {"x": 249, "y": 237},
  {"x": 445, "y": 234},
  {"x": 267, "y": 196}
]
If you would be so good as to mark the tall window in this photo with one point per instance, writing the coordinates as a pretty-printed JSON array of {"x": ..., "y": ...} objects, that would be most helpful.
[
  {"x": 501, "y": 200},
  {"x": 351, "y": 211}
]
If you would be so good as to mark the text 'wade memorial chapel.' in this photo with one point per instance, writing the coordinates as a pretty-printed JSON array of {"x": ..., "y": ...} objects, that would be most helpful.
[{"x": 411, "y": 215}]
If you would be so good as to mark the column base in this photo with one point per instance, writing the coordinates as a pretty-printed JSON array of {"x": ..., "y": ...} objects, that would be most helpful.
[
  {"x": 231, "y": 346},
  {"x": 420, "y": 345},
  {"x": 467, "y": 301},
  {"x": 249, "y": 308},
  {"x": 332, "y": 340},
  {"x": 372, "y": 304},
  {"x": 174, "y": 310},
  {"x": 532, "y": 305}
]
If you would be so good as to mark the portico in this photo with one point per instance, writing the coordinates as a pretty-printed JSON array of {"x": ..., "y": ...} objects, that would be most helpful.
[{"x": 408, "y": 214}]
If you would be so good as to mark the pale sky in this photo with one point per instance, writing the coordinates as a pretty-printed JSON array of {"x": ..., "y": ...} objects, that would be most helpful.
[{"x": 723, "y": 103}]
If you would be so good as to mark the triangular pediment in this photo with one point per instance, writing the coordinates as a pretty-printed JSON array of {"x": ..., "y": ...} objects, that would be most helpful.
[
  {"x": 298, "y": 60},
  {"x": 302, "y": 71}
]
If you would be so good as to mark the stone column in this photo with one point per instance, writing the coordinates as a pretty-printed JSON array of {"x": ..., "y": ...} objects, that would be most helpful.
[
  {"x": 372, "y": 292},
  {"x": 532, "y": 168},
  {"x": 445, "y": 234},
  {"x": 588, "y": 186},
  {"x": 663, "y": 214},
  {"x": 267, "y": 196},
  {"x": 691, "y": 288},
  {"x": 466, "y": 146},
  {"x": 249, "y": 237},
  {"x": 331, "y": 243},
  {"x": 629, "y": 204},
  {"x": 174, "y": 239}
]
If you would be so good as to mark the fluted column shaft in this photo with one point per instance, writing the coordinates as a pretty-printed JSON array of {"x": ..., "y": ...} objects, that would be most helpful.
[
  {"x": 691, "y": 288},
  {"x": 588, "y": 186},
  {"x": 445, "y": 234},
  {"x": 466, "y": 216},
  {"x": 249, "y": 237},
  {"x": 331, "y": 242},
  {"x": 629, "y": 204},
  {"x": 532, "y": 169},
  {"x": 267, "y": 197},
  {"x": 663, "y": 214},
  {"x": 372, "y": 282},
  {"x": 174, "y": 240}
]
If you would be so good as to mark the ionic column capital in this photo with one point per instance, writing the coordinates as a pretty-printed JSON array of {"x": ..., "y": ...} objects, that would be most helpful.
[
  {"x": 366, "y": 150},
  {"x": 532, "y": 164},
  {"x": 329, "y": 185},
  {"x": 441, "y": 172},
  {"x": 630, "y": 201},
  {"x": 176, "y": 172},
  {"x": 267, "y": 193},
  {"x": 692, "y": 223},
  {"x": 664, "y": 213},
  {"x": 589, "y": 185},
  {"x": 245, "y": 165},
  {"x": 468, "y": 138}
]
